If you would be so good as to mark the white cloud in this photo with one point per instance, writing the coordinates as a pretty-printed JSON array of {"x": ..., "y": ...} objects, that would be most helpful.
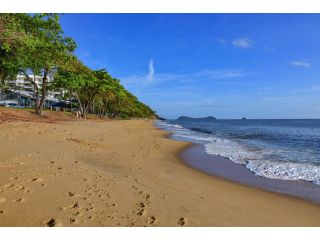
[
  {"x": 315, "y": 88},
  {"x": 151, "y": 72},
  {"x": 151, "y": 79},
  {"x": 308, "y": 89},
  {"x": 211, "y": 75},
  {"x": 243, "y": 43},
  {"x": 301, "y": 64},
  {"x": 265, "y": 88},
  {"x": 281, "y": 99}
]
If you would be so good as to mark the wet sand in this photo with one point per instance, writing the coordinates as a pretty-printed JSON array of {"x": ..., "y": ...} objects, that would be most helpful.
[
  {"x": 123, "y": 173},
  {"x": 196, "y": 157}
]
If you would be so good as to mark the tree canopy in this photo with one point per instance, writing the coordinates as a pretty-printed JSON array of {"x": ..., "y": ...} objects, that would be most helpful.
[
  {"x": 35, "y": 44},
  {"x": 97, "y": 92}
]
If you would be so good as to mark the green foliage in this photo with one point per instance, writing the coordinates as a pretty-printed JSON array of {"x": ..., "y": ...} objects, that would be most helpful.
[
  {"x": 97, "y": 92},
  {"x": 36, "y": 43},
  {"x": 33, "y": 43},
  {"x": 122, "y": 104}
]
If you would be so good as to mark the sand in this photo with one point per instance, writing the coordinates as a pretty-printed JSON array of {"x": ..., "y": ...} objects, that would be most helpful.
[{"x": 123, "y": 173}]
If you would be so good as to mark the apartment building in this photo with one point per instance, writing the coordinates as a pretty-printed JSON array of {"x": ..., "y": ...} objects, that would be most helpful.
[{"x": 22, "y": 90}]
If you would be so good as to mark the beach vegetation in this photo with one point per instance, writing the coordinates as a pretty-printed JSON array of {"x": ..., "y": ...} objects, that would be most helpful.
[
  {"x": 99, "y": 93},
  {"x": 35, "y": 44}
]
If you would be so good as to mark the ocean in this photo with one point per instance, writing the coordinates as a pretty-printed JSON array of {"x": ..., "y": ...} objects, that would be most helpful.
[{"x": 286, "y": 149}]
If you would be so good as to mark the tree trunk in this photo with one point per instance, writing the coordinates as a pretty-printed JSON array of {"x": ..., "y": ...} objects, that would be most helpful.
[
  {"x": 43, "y": 91},
  {"x": 81, "y": 108},
  {"x": 36, "y": 89},
  {"x": 36, "y": 98}
]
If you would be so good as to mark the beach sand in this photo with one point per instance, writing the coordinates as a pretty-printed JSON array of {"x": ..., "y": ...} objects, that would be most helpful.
[{"x": 123, "y": 173}]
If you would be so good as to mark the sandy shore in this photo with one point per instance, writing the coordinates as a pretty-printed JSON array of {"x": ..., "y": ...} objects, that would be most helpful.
[
  {"x": 123, "y": 173},
  {"x": 218, "y": 166}
]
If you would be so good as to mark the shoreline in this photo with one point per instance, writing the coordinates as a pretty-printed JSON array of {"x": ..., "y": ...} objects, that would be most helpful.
[
  {"x": 226, "y": 169},
  {"x": 123, "y": 173}
]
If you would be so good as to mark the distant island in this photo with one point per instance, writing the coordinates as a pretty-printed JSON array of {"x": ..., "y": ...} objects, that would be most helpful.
[
  {"x": 185, "y": 118},
  {"x": 243, "y": 118}
]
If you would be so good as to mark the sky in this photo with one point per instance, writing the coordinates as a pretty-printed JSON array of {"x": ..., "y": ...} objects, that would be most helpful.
[{"x": 223, "y": 65}]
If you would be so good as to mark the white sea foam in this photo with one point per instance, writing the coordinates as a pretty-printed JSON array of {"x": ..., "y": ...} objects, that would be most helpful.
[
  {"x": 232, "y": 150},
  {"x": 168, "y": 125},
  {"x": 186, "y": 135},
  {"x": 262, "y": 167},
  {"x": 286, "y": 170},
  {"x": 255, "y": 160}
]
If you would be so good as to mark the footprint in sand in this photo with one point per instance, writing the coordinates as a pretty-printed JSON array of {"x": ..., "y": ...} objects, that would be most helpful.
[
  {"x": 52, "y": 222},
  {"x": 147, "y": 197},
  {"x": 71, "y": 220},
  {"x": 2, "y": 199},
  {"x": 152, "y": 220},
  {"x": 1, "y": 212},
  {"x": 77, "y": 214},
  {"x": 13, "y": 178},
  {"x": 16, "y": 187},
  {"x": 142, "y": 205},
  {"x": 70, "y": 194},
  {"x": 76, "y": 205},
  {"x": 73, "y": 206},
  {"x": 19, "y": 200},
  {"x": 36, "y": 180},
  {"x": 141, "y": 210},
  {"x": 7, "y": 186},
  {"x": 181, "y": 221},
  {"x": 74, "y": 140}
]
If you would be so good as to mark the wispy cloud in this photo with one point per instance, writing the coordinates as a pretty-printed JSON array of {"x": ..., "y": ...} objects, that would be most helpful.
[
  {"x": 150, "y": 75},
  {"x": 281, "y": 99},
  {"x": 191, "y": 104},
  {"x": 213, "y": 74},
  {"x": 308, "y": 89},
  {"x": 315, "y": 88},
  {"x": 138, "y": 80},
  {"x": 243, "y": 43},
  {"x": 301, "y": 64}
]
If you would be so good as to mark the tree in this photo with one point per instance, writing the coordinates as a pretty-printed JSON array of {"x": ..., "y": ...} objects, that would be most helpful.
[
  {"x": 13, "y": 39},
  {"x": 97, "y": 92},
  {"x": 118, "y": 102},
  {"x": 42, "y": 48},
  {"x": 35, "y": 44},
  {"x": 83, "y": 85}
]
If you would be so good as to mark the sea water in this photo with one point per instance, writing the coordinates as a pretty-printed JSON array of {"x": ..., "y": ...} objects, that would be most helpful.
[{"x": 280, "y": 149}]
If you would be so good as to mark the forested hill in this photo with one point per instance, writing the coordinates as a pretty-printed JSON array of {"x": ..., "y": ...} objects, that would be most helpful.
[{"x": 36, "y": 45}]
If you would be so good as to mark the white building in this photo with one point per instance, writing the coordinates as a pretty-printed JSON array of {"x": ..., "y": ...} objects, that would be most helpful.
[
  {"x": 21, "y": 84},
  {"x": 22, "y": 90}
]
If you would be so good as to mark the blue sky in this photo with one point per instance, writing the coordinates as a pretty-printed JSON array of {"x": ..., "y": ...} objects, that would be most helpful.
[{"x": 224, "y": 65}]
